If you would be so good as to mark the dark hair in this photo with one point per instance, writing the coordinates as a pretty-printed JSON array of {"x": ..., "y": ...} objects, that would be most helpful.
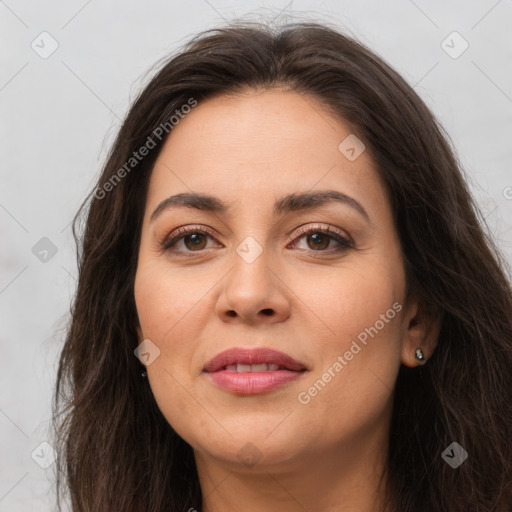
[{"x": 117, "y": 451}]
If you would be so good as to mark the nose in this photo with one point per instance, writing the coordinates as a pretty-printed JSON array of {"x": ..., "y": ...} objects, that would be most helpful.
[{"x": 253, "y": 293}]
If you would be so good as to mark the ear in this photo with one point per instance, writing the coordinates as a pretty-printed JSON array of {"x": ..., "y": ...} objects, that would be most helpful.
[{"x": 423, "y": 324}]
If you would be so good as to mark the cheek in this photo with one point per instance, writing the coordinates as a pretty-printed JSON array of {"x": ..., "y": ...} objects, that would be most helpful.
[
  {"x": 362, "y": 309},
  {"x": 172, "y": 308},
  {"x": 347, "y": 301},
  {"x": 165, "y": 299}
]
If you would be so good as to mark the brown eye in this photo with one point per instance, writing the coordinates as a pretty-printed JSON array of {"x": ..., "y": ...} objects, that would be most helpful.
[
  {"x": 318, "y": 241},
  {"x": 187, "y": 240},
  {"x": 196, "y": 241}
]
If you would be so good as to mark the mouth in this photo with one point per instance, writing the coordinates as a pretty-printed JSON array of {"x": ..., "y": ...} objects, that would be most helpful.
[
  {"x": 251, "y": 368},
  {"x": 253, "y": 371},
  {"x": 246, "y": 360}
]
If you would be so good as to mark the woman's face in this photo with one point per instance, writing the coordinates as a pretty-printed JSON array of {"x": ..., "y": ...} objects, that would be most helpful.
[{"x": 262, "y": 273}]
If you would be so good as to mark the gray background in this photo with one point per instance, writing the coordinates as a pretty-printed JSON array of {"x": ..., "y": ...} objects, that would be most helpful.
[{"x": 61, "y": 113}]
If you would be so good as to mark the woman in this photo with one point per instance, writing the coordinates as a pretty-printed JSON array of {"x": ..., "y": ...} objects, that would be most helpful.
[{"x": 286, "y": 299}]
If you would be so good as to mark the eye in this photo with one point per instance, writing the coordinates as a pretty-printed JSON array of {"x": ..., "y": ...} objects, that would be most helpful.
[
  {"x": 319, "y": 238},
  {"x": 195, "y": 239}
]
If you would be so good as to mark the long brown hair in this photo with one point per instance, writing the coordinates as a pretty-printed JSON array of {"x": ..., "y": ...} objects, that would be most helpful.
[{"x": 117, "y": 451}]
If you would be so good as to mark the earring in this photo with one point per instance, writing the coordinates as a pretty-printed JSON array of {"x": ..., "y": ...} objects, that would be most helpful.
[
  {"x": 144, "y": 374},
  {"x": 420, "y": 356}
]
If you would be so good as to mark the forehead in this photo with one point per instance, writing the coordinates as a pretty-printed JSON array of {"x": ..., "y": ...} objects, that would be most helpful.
[{"x": 260, "y": 145}]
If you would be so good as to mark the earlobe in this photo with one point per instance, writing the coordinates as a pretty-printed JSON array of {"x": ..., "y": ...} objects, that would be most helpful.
[{"x": 421, "y": 335}]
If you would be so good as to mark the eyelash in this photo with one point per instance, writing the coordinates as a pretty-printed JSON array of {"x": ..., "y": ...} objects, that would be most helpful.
[{"x": 181, "y": 233}]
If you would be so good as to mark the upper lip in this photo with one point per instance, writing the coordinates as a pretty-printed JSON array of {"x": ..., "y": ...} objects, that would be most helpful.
[{"x": 252, "y": 356}]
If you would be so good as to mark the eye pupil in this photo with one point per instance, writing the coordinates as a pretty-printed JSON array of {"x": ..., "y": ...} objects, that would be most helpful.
[{"x": 317, "y": 238}]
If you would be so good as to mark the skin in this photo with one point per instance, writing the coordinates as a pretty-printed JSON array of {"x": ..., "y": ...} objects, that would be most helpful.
[{"x": 249, "y": 150}]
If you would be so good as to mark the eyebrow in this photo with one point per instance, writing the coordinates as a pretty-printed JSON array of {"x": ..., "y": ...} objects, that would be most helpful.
[{"x": 289, "y": 203}]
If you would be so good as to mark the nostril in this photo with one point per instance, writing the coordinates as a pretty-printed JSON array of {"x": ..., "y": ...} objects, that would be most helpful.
[
  {"x": 267, "y": 312},
  {"x": 231, "y": 313}
]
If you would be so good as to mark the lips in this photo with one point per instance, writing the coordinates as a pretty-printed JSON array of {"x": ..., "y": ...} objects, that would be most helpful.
[
  {"x": 239, "y": 359},
  {"x": 253, "y": 371}
]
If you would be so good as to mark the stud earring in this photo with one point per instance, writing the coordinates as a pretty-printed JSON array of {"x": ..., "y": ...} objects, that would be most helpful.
[{"x": 420, "y": 356}]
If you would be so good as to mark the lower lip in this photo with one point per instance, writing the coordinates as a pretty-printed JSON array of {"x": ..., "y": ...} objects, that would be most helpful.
[{"x": 253, "y": 383}]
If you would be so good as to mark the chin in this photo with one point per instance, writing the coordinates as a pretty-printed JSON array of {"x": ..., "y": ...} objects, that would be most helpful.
[{"x": 254, "y": 446}]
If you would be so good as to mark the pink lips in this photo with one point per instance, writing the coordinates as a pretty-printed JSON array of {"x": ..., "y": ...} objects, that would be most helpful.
[{"x": 253, "y": 382}]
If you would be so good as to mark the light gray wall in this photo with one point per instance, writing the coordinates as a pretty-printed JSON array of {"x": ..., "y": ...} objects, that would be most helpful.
[{"x": 60, "y": 113}]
